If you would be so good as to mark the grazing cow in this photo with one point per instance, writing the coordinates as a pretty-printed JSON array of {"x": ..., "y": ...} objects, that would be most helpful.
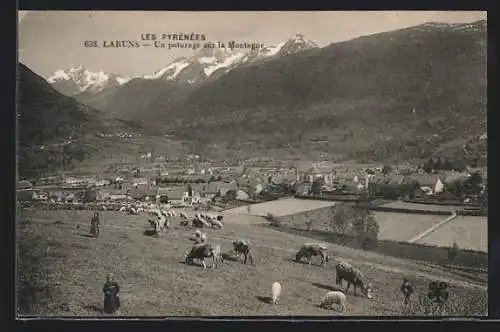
[
  {"x": 312, "y": 249},
  {"x": 352, "y": 275},
  {"x": 200, "y": 252},
  {"x": 217, "y": 259},
  {"x": 242, "y": 247},
  {"x": 334, "y": 297},
  {"x": 407, "y": 290}
]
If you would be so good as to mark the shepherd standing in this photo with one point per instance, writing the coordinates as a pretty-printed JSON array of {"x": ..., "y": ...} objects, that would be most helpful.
[{"x": 111, "y": 296}]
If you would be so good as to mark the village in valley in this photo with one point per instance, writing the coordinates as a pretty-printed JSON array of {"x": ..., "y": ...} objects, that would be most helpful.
[{"x": 199, "y": 184}]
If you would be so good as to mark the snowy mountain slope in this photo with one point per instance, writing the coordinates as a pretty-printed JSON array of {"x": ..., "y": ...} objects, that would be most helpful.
[
  {"x": 77, "y": 79},
  {"x": 208, "y": 61}
]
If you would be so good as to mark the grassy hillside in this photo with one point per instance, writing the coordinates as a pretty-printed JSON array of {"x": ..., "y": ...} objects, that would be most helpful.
[
  {"x": 154, "y": 280},
  {"x": 142, "y": 101},
  {"x": 48, "y": 120}
]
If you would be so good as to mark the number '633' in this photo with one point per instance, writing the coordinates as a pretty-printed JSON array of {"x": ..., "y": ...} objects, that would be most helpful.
[{"x": 90, "y": 43}]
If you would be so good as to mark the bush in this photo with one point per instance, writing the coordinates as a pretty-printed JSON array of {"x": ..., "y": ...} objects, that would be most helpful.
[{"x": 273, "y": 221}]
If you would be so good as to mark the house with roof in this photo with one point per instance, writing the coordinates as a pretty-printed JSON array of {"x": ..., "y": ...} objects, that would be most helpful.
[
  {"x": 326, "y": 173},
  {"x": 142, "y": 192},
  {"x": 429, "y": 183},
  {"x": 174, "y": 196},
  {"x": 24, "y": 184}
]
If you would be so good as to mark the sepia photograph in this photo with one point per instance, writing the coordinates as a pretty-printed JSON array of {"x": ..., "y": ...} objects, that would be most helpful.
[{"x": 259, "y": 163}]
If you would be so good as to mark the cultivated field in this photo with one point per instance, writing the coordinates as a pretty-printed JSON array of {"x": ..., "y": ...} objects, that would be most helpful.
[
  {"x": 403, "y": 226},
  {"x": 66, "y": 269},
  {"x": 468, "y": 232},
  {"x": 423, "y": 207},
  {"x": 282, "y": 207}
]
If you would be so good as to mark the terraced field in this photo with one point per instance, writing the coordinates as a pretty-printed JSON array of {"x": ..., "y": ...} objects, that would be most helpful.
[
  {"x": 282, "y": 207},
  {"x": 468, "y": 232},
  {"x": 403, "y": 226}
]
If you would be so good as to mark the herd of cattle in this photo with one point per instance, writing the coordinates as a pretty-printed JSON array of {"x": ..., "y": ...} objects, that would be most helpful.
[{"x": 201, "y": 250}]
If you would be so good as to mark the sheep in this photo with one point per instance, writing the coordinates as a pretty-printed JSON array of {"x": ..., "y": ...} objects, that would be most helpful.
[
  {"x": 199, "y": 251},
  {"x": 347, "y": 272},
  {"x": 334, "y": 297},
  {"x": 312, "y": 249},
  {"x": 220, "y": 217},
  {"x": 217, "y": 258},
  {"x": 216, "y": 223},
  {"x": 276, "y": 291},
  {"x": 183, "y": 215},
  {"x": 242, "y": 247},
  {"x": 199, "y": 237}
]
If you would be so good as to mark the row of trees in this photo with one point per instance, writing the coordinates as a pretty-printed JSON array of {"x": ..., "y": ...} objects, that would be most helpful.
[{"x": 443, "y": 164}]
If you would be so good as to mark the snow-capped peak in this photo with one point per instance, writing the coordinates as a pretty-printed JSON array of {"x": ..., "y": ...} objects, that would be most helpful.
[
  {"x": 296, "y": 44},
  {"x": 171, "y": 71},
  {"x": 77, "y": 79},
  {"x": 205, "y": 62}
]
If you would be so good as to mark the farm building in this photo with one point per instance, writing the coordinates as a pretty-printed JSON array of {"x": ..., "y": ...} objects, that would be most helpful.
[
  {"x": 304, "y": 189},
  {"x": 176, "y": 195},
  {"x": 312, "y": 173},
  {"x": 225, "y": 187},
  {"x": 430, "y": 183},
  {"x": 142, "y": 193},
  {"x": 65, "y": 194},
  {"x": 24, "y": 185},
  {"x": 25, "y": 195},
  {"x": 284, "y": 178},
  {"x": 51, "y": 180},
  {"x": 242, "y": 195}
]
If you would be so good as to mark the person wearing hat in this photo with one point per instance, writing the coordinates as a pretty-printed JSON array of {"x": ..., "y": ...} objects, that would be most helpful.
[
  {"x": 407, "y": 290},
  {"x": 111, "y": 296}
]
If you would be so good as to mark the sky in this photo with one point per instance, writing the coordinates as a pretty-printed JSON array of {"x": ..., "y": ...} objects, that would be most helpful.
[{"x": 53, "y": 40}]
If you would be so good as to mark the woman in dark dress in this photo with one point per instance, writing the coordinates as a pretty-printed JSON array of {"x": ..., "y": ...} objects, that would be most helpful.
[{"x": 111, "y": 297}]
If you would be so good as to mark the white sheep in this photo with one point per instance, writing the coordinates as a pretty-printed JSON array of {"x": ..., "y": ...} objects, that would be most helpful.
[
  {"x": 217, "y": 256},
  {"x": 334, "y": 297},
  {"x": 276, "y": 291}
]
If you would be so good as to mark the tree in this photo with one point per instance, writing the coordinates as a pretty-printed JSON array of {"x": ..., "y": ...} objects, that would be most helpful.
[
  {"x": 453, "y": 252},
  {"x": 473, "y": 184},
  {"x": 317, "y": 184},
  {"x": 341, "y": 216},
  {"x": 429, "y": 166},
  {"x": 366, "y": 228},
  {"x": 386, "y": 169}
]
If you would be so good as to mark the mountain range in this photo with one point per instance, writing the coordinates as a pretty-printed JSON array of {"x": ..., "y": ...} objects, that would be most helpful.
[
  {"x": 398, "y": 95},
  {"x": 206, "y": 63}
]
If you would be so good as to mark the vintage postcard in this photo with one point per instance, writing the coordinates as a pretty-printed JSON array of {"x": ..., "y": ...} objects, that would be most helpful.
[{"x": 251, "y": 163}]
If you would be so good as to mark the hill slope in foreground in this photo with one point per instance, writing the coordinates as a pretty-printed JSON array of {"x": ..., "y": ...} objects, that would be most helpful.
[{"x": 154, "y": 280}]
